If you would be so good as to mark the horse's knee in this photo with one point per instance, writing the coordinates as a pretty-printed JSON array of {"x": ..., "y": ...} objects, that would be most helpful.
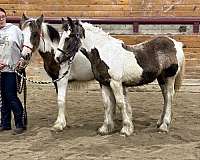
[
  {"x": 120, "y": 103},
  {"x": 61, "y": 101}
]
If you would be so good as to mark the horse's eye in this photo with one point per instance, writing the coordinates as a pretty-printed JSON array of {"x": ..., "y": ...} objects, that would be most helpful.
[{"x": 34, "y": 35}]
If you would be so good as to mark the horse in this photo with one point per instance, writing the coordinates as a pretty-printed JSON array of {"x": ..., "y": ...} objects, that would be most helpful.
[
  {"x": 42, "y": 37},
  {"x": 117, "y": 66}
]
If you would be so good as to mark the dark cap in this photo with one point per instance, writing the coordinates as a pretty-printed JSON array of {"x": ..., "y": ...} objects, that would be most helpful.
[{"x": 2, "y": 10}]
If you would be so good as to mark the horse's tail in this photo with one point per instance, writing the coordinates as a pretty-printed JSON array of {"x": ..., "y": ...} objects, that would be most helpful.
[{"x": 180, "y": 74}]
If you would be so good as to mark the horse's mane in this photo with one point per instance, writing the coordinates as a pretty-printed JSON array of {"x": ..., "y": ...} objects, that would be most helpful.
[
  {"x": 99, "y": 31},
  {"x": 53, "y": 33}
]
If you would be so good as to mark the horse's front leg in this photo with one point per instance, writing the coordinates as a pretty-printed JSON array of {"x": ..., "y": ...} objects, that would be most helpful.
[
  {"x": 109, "y": 108},
  {"x": 126, "y": 111},
  {"x": 60, "y": 123}
]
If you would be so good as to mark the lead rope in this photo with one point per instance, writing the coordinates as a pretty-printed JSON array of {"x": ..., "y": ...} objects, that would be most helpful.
[
  {"x": 25, "y": 117},
  {"x": 44, "y": 82},
  {"x": 22, "y": 85}
]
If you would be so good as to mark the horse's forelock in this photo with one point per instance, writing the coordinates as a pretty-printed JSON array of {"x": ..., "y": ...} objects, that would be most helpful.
[
  {"x": 34, "y": 26},
  {"x": 78, "y": 31},
  {"x": 30, "y": 23},
  {"x": 65, "y": 26},
  {"x": 26, "y": 23}
]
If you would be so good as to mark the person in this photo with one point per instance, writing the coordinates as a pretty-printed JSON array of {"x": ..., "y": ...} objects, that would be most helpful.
[{"x": 11, "y": 42}]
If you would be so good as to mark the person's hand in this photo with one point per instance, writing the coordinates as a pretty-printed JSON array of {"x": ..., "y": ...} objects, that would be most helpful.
[
  {"x": 21, "y": 64},
  {"x": 2, "y": 65}
]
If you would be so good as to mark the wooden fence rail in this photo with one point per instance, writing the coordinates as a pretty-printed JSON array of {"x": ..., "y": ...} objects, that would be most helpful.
[{"x": 195, "y": 21}]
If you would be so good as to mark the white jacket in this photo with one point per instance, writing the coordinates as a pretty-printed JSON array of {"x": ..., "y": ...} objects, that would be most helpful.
[{"x": 11, "y": 42}]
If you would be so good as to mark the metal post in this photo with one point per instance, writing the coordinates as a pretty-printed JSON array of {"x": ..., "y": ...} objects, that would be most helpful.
[
  {"x": 196, "y": 27},
  {"x": 135, "y": 27}
]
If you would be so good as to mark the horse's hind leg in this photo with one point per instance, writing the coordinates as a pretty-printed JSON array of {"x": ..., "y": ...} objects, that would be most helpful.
[
  {"x": 121, "y": 101},
  {"x": 109, "y": 107},
  {"x": 60, "y": 123},
  {"x": 167, "y": 87}
]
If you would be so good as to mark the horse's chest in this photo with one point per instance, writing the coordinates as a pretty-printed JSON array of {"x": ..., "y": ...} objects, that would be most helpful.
[{"x": 52, "y": 68}]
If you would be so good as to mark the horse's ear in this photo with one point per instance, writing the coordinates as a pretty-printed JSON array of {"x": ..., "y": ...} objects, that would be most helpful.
[
  {"x": 63, "y": 20},
  {"x": 71, "y": 23},
  {"x": 40, "y": 20},
  {"x": 65, "y": 23},
  {"x": 23, "y": 19}
]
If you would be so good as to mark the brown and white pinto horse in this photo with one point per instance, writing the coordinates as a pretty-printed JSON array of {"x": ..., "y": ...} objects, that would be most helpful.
[
  {"x": 44, "y": 38},
  {"x": 117, "y": 66}
]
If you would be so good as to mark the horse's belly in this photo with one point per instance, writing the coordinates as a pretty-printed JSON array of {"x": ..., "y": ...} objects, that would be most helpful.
[
  {"x": 81, "y": 69},
  {"x": 132, "y": 72},
  {"x": 81, "y": 74}
]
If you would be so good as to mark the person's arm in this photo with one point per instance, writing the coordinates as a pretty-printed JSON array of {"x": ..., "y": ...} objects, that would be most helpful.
[{"x": 23, "y": 61}]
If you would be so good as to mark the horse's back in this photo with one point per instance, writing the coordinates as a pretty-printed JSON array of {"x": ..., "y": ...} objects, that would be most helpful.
[{"x": 162, "y": 55}]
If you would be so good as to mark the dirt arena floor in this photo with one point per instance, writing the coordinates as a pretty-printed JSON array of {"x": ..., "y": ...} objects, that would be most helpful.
[{"x": 85, "y": 114}]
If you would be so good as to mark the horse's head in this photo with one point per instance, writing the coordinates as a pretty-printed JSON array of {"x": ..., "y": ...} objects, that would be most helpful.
[
  {"x": 32, "y": 32},
  {"x": 70, "y": 41}
]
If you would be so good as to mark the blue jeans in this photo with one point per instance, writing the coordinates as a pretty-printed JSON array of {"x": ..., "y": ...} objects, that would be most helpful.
[{"x": 10, "y": 101}]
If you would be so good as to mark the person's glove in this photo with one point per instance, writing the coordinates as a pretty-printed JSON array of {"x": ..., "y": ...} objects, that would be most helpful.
[{"x": 2, "y": 66}]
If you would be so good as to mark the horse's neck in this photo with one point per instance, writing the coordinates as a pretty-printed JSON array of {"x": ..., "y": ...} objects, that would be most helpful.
[
  {"x": 46, "y": 45},
  {"x": 47, "y": 48}
]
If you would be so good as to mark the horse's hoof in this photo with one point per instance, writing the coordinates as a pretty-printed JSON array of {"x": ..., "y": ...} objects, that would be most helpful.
[
  {"x": 126, "y": 131},
  {"x": 163, "y": 128},
  {"x": 55, "y": 129},
  {"x": 105, "y": 129}
]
